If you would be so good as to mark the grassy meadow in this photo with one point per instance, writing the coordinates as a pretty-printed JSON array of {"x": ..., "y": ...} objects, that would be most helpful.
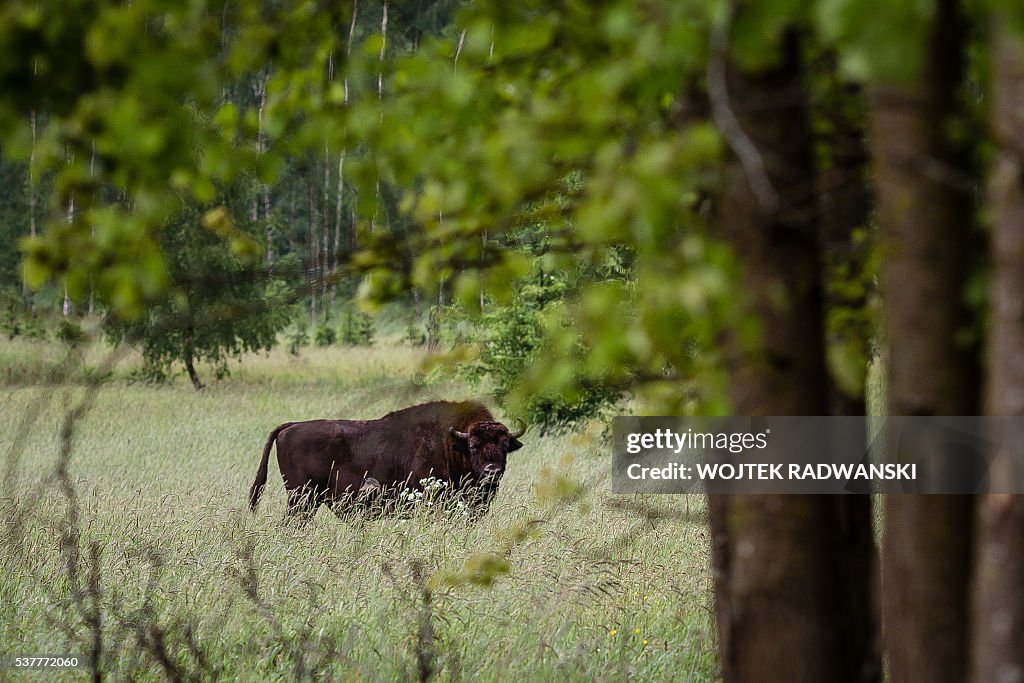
[{"x": 171, "y": 577}]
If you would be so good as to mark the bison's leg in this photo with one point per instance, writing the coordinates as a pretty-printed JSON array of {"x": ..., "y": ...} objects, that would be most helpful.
[{"x": 302, "y": 504}]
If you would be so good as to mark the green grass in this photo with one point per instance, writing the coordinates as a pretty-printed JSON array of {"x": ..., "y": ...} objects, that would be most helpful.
[{"x": 601, "y": 588}]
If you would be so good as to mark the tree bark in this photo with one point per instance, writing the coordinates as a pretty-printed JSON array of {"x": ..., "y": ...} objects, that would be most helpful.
[
  {"x": 192, "y": 374},
  {"x": 31, "y": 198},
  {"x": 314, "y": 248},
  {"x": 924, "y": 213},
  {"x": 846, "y": 203},
  {"x": 380, "y": 96},
  {"x": 66, "y": 308},
  {"x": 997, "y": 651},
  {"x": 781, "y": 588},
  {"x": 434, "y": 325},
  {"x": 264, "y": 190},
  {"x": 325, "y": 233},
  {"x": 190, "y": 361},
  {"x": 338, "y": 209}
]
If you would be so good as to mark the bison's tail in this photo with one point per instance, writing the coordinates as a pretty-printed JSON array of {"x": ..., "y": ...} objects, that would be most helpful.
[{"x": 261, "y": 474}]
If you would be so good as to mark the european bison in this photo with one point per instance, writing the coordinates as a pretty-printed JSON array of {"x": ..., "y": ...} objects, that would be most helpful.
[{"x": 338, "y": 461}]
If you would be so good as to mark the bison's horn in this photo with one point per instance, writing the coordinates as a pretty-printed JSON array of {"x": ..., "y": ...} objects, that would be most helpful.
[
  {"x": 522, "y": 431},
  {"x": 456, "y": 433}
]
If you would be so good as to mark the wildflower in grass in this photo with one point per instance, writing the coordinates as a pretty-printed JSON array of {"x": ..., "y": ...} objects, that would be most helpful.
[
  {"x": 432, "y": 485},
  {"x": 636, "y": 631},
  {"x": 613, "y": 632}
]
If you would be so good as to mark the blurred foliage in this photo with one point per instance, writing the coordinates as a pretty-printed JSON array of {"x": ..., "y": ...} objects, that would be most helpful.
[
  {"x": 592, "y": 139},
  {"x": 590, "y": 119},
  {"x": 71, "y": 334},
  {"x": 512, "y": 338},
  {"x": 415, "y": 335}
]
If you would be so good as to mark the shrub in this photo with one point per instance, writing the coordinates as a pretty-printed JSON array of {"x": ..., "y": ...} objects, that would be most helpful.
[
  {"x": 325, "y": 335},
  {"x": 415, "y": 335},
  {"x": 70, "y": 333},
  {"x": 357, "y": 328},
  {"x": 298, "y": 337}
]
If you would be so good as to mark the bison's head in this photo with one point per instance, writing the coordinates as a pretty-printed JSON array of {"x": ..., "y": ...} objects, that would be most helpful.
[{"x": 488, "y": 444}]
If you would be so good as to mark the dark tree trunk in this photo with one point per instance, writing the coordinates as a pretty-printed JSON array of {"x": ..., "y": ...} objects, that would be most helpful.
[
  {"x": 924, "y": 212},
  {"x": 782, "y": 591},
  {"x": 190, "y": 361},
  {"x": 845, "y": 202},
  {"x": 997, "y": 651},
  {"x": 31, "y": 200},
  {"x": 192, "y": 374}
]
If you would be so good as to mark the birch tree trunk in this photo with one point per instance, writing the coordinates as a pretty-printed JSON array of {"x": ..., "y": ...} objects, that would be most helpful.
[
  {"x": 339, "y": 201},
  {"x": 325, "y": 235},
  {"x": 380, "y": 97},
  {"x": 314, "y": 249},
  {"x": 260, "y": 88},
  {"x": 66, "y": 307}
]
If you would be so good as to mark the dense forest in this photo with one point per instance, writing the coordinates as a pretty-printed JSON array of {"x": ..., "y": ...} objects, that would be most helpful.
[{"x": 699, "y": 207}]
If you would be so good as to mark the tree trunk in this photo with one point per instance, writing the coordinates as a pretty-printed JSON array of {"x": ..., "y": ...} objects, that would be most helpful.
[
  {"x": 383, "y": 44},
  {"x": 92, "y": 174},
  {"x": 325, "y": 234},
  {"x": 314, "y": 249},
  {"x": 338, "y": 212},
  {"x": 66, "y": 309},
  {"x": 293, "y": 245},
  {"x": 434, "y": 325},
  {"x": 925, "y": 216},
  {"x": 781, "y": 588},
  {"x": 190, "y": 360},
  {"x": 31, "y": 197},
  {"x": 846, "y": 203},
  {"x": 264, "y": 191},
  {"x": 997, "y": 651},
  {"x": 380, "y": 96},
  {"x": 339, "y": 201},
  {"x": 192, "y": 374}
]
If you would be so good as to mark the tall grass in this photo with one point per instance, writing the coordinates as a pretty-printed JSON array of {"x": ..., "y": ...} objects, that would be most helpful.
[{"x": 174, "y": 578}]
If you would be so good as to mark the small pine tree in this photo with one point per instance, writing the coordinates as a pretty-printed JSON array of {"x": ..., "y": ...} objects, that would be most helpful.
[
  {"x": 512, "y": 338},
  {"x": 358, "y": 328}
]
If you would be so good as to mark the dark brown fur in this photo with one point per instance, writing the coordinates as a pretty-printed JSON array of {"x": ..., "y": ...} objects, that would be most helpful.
[{"x": 332, "y": 460}]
